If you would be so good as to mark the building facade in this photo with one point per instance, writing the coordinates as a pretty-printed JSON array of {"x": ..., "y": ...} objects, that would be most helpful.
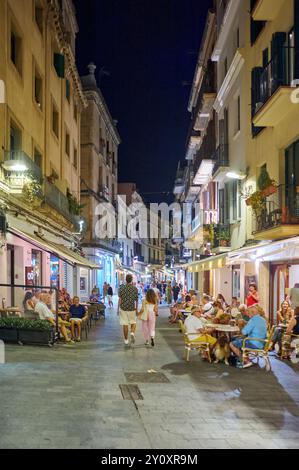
[
  {"x": 250, "y": 181},
  {"x": 99, "y": 174},
  {"x": 40, "y": 114}
]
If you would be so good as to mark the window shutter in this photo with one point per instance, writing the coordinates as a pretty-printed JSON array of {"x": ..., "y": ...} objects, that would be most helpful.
[
  {"x": 59, "y": 64},
  {"x": 278, "y": 60},
  {"x": 257, "y": 95}
]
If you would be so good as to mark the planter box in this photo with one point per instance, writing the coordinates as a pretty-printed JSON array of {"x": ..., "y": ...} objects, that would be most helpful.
[
  {"x": 35, "y": 336},
  {"x": 9, "y": 335},
  {"x": 15, "y": 335}
]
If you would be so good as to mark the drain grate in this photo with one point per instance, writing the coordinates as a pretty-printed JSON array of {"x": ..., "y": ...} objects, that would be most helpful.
[
  {"x": 146, "y": 378},
  {"x": 131, "y": 392}
]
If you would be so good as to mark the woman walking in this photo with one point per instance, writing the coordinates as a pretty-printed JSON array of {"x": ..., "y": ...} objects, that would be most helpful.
[
  {"x": 110, "y": 296},
  {"x": 147, "y": 314},
  {"x": 169, "y": 294}
]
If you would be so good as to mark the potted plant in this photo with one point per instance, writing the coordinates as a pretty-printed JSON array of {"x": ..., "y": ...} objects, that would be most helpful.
[
  {"x": 257, "y": 201},
  {"x": 266, "y": 185},
  {"x": 74, "y": 207},
  {"x": 224, "y": 237}
]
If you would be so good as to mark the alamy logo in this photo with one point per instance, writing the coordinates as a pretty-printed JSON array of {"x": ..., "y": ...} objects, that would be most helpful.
[
  {"x": 2, "y": 352},
  {"x": 295, "y": 93}
]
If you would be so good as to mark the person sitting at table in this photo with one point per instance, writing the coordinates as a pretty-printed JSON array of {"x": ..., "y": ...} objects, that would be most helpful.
[
  {"x": 244, "y": 313},
  {"x": 28, "y": 302},
  {"x": 235, "y": 308},
  {"x": 175, "y": 310},
  {"x": 45, "y": 313},
  {"x": 256, "y": 328},
  {"x": 218, "y": 309},
  {"x": 208, "y": 308},
  {"x": 284, "y": 316},
  {"x": 196, "y": 328},
  {"x": 78, "y": 315}
]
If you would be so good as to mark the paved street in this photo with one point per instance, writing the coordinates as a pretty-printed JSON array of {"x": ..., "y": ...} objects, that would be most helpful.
[{"x": 69, "y": 397}]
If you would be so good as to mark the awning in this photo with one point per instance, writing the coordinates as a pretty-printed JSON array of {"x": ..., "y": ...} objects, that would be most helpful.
[
  {"x": 60, "y": 251},
  {"x": 214, "y": 262}
]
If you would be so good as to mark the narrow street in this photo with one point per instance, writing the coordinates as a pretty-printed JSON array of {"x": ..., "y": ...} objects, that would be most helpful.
[{"x": 69, "y": 397}]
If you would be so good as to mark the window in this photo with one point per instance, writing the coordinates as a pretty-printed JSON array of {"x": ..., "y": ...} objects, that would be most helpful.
[
  {"x": 67, "y": 144},
  {"x": 225, "y": 67},
  {"x": 39, "y": 16},
  {"x": 38, "y": 158},
  {"x": 55, "y": 120},
  {"x": 68, "y": 90},
  {"x": 15, "y": 137},
  {"x": 58, "y": 61},
  {"x": 75, "y": 112},
  {"x": 16, "y": 49},
  {"x": 238, "y": 115},
  {"x": 38, "y": 89},
  {"x": 235, "y": 199},
  {"x": 75, "y": 162},
  {"x": 107, "y": 181}
]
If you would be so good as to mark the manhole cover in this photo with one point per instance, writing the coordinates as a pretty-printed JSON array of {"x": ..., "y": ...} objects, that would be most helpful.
[
  {"x": 131, "y": 392},
  {"x": 145, "y": 378}
]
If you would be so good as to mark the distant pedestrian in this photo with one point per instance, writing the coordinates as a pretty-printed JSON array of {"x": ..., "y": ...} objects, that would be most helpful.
[
  {"x": 110, "y": 296},
  {"x": 169, "y": 294},
  {"x": 148, "y": 314},
  {"x": 105, "y": 291},
  {"x": 294, "y": 296},
  {"x": 128, "y": 308},
  {"x": 176, "y": 291}
]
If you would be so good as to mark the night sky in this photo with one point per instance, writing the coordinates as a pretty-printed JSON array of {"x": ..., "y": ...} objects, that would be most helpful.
[{"x": 150, "y": 47}]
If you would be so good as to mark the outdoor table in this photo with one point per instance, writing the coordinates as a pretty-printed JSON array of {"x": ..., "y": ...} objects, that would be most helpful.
[
  {"x": 10, "y": 310},
  {"x": 229, "y": 330}
]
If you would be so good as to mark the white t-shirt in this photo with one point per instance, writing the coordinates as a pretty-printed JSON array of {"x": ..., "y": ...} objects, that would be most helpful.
[
  {"x": 193, "y": 324},
  {"x": 43, "y": 311}
]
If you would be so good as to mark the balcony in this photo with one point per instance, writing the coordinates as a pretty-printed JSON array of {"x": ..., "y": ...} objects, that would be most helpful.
[
  {"x": 226, "y": 16},
  {"x": 221, "y": 159},
  {"x": 54, "y": 198},
  {"x": 206, "y": 100},
  {"x": 266, "y": 10},
  {"x": 222, "y": 243},
  {"x": 19, "y": 168},
  {"x": 204, "y": 161},
  {"x": 273, "y": 100},
  {"x": 179, "y": 184},
  {"x": 194, "y": 142},
  {"x": 109, "y": 245},
  {"x": 192, "y": 189},
  {"x": 279, "y": 216}
]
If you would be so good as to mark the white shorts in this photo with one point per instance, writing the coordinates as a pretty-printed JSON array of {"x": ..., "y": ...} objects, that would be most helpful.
[
  {"x": 76, "y": 319},
  {"x": 127, "y": 318}
]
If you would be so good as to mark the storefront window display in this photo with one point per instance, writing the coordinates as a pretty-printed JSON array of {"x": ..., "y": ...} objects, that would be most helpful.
[
  {"x": 54, "y": 272},
  {"x": 36, "y": 263}
]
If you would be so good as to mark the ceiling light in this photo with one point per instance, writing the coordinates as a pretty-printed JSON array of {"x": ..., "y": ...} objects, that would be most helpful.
[{"x": 235, "y": 176}]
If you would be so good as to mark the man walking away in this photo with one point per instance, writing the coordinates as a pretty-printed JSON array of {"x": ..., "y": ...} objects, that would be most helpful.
[
  {"x": 176, "y": 290},
  {"x": 128, "y": 308}
]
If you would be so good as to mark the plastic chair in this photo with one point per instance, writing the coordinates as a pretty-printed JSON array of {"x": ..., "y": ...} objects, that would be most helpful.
[{"x": 193, "y": 345}]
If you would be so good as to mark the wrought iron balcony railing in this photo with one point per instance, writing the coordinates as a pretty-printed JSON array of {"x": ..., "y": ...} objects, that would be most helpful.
[
  {"x": 221, "y": 157},
  {"x": 281, "y": 208}
]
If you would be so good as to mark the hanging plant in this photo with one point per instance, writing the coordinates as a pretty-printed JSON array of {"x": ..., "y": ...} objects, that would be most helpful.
[
  {"x": 266, "y": 184},
  {"x": 74, "y": 207},
  {"x": 257, "y": 201},
  {"x": 32, "y": 189}
]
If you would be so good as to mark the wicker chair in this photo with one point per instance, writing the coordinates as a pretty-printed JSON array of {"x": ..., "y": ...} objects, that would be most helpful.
[
  {"x": 193, "y": 345},
  {"x": 248, "y": 353}
]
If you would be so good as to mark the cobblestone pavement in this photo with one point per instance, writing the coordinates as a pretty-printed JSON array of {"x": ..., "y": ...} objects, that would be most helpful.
[{"x": 69, "y": 397}]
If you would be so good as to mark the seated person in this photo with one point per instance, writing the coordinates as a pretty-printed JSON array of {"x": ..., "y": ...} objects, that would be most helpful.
[
  {"x": 78, "y": 314},
  {"x": 175, "y": 310},
  {"x": 208, "y": 308},
  {"x": 255, "y": 328},
  {"x": 28, "y": 302},
  {"x": 244, "y": 312},
  {"x": 196, "y": 329},
  {"x": 218, "y": 309},
  {"x": 45, "y": 313},
  {"x": 284, "y": 317},
  {"x": 235, "y": 308}
]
